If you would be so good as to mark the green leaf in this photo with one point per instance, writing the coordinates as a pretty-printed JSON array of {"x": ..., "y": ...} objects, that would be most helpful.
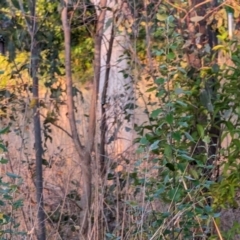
[
  {"x": 186, "y": 157},
  {"x": 200, "y": 130},
  {"x": 156, "y": 112},
  {"x": 161, "y": 17},
  {"x": 3, "y": 161},
  {"x": 151, "y": 89},
  {"x": 178, "y": 91},
  {"x": 174, "y": 194},
  {"x": 229, "y": 9},
  {"x": 215, "y": 68},
  {"x": 168, "y": 151},
  {"x": 3, "y": 147},
  {"x": 217, "y": 215},
  {"x": 205, "y": 98},
  {"x": 4, "y": 130},
  {"x": 181, "y": 167},
  {"x": 7, "y": 197},
  {"x": 171, "y": 56},
  {"x": 160, "y": 81},
  {"x": 159, "y": 192},
  {"x": 206, "y": 139},
  {"x": 177, "y": 136},
  {"x": 183, "y": 124},
  {"x": 17, "y": 204},
  {"x": 181, "y": 103},
  {"x": 161, "y": 93},
  {"x": 170, "y": 166},
  {"x": 194, "y": 173},
  {"x": 189, "y": 137},
  {"x": 182, "y": 70},
  {"x": 230, "y": 127},
  {"x": 169, "y": 118},
  {"x": 144, "y": 141},
  {"x": 154, "y": 145},
  {"x": 219, "y": 47},
  {"x": 12, "y": 175},
  {"x": 189, "y": 178},
  {"x": 222, "y": 37},
  {"x": 45, "y": 162},
  {"x": 159, "y": 52},
  {"x": 140, "y": 150}
]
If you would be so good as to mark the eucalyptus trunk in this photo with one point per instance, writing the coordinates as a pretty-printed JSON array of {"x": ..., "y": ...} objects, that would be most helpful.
[{"x": 115, "y": 91}]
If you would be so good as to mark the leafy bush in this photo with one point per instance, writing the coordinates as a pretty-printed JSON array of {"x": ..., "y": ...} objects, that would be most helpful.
[
  {"x": 185, "y": 167},
  {"x": 10, "y": 203}
]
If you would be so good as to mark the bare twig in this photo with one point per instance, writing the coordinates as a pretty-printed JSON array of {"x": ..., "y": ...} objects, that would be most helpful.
[{"x": 58, "y": 126}]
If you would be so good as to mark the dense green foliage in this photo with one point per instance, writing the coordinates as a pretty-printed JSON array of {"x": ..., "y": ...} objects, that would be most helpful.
[
  {"x": 186, "y": 174},
  {"x": 10, "y": 202}
]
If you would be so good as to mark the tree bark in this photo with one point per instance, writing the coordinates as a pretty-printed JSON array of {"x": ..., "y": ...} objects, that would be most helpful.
[
  {"x": 84, "y": 155},
  {"x": 115, "y": 90},
  {"x": 103, "y": 127},
  {"x": 2, "y": 45},
  {"x": 38, "y": 150},
  {"x": 97, "y": 71},
  {"x": 35, "y": 56}
]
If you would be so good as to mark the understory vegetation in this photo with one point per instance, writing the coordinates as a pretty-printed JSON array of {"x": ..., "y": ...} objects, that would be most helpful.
[{"x": 65, "y": 172}]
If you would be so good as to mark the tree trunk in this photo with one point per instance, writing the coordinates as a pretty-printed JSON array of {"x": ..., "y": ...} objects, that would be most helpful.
[
  {"x": 97, "y": 74},
  {"x": 2, "y": 45},
  {"x": 115, "y": 88},
  {"x": 83, "y": 154},
  {"x": 38, "y": 149},
  {"x": 35, "y": 56},
  {"x": 114, "y": 103}
]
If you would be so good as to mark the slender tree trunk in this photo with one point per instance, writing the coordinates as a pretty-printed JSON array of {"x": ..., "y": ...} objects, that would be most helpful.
[
  {"x": 35, "y": 55},
  {"x": 214, "y": 130},
  {"x": 103, "y": 127},
  {"x": 115, "y": 90},
  {"x": 2, "y": 45},
  {"x": 38, "y": 151},
  {"x": 97, "y": 70},
  {"x": 84, "y": 155},
  {"x": 109, "y": 94}
]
